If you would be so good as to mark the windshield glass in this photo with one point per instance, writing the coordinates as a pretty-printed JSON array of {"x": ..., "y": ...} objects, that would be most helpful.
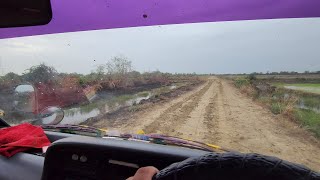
[{"x": 248, "y": 86}]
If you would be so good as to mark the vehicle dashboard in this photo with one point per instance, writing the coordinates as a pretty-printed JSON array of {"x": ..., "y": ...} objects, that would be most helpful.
[{"x": 80, "y": 157}]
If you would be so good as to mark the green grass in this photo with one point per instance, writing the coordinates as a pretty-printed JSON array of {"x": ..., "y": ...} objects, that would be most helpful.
[
  {"x": 316, "y": 85},
  {"x": 278, "y": 84},
  {"x": 277, "y": 108},
  {"x": 143, "y": 94},
  {"x": 124, "y": 98},
  {"x": 239, "y": 82},
  {"x": 310, "y": 119},
  {"x": 302, "y": 87}
]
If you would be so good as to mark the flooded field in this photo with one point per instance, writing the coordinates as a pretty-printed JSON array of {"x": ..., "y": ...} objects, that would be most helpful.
[{"x": 311, "y": 88}]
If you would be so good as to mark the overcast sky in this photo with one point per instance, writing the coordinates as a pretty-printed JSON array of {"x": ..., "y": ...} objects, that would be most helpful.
[{"x": 223, "y": 47}]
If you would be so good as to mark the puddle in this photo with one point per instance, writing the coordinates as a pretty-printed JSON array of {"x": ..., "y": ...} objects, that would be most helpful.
[
  {"x": 137, "y": 99},
  {"x": 173, "y": 86},
  {"x": 75, "y": 116},
  {"x": 109, "y": 103},
  {"x": 301, "y": 105}
]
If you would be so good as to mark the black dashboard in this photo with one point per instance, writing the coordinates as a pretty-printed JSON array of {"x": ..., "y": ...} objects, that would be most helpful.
[
  {"x": 74, "y": 157},
  {"x": 97, "y": 158}
]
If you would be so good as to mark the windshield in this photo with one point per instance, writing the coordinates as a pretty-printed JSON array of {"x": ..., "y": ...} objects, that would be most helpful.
[{"x": 248, "y": 86}]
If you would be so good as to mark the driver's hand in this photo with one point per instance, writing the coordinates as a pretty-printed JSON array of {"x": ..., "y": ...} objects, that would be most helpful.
[{"x": 144, "y": 173}]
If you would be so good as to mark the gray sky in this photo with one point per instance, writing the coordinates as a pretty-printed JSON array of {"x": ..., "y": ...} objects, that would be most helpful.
[{"x": 223, "y": 47}]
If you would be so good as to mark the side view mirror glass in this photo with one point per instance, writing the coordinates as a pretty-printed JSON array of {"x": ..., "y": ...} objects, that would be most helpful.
[
  {"x": 51, "y": 115},
  {"x": 18, "y": 13},
  {"x": 24, "y": 98}
]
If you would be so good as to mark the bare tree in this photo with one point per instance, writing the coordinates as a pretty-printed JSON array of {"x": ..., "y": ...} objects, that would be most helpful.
[
  {"x": 118, "y": 69},
  {"x": 119, "y": 66}
]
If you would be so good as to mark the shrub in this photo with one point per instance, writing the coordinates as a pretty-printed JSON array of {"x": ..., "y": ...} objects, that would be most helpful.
[
  {"x": 239, "y": 82},
  {"x": 252, "y": 77},
  {"x": 277, "y": 108}
]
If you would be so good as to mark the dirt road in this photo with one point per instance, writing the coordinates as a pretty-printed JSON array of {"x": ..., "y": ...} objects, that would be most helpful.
[{"x": 218, "y": 113}]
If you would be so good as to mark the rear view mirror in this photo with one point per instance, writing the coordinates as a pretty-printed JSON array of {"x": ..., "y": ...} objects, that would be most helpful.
[{"x": 18, "y": 13}]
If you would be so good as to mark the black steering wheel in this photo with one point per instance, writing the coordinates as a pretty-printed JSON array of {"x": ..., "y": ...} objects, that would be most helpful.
[{"x": 236, "y": 166}]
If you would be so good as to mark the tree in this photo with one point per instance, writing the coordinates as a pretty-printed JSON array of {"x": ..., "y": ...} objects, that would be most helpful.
[
  {"x": 119, "y": 66},
  {"x": 100, "y": 73},
  {"x": 9, "y": 80},
  {"x": 40, "y": 74},
  {"x": 13, "y": 77},
  {"x": 118, "y": 69}
]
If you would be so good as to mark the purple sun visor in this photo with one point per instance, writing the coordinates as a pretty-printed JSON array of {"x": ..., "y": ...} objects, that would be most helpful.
[{"x": 82, "y": 15}]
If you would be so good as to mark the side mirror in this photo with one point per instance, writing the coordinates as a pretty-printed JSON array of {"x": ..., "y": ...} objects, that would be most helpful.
[
  {"x": 51, "y": 116},
  {"x": 19, "y": 13},
  {"x": 24, "y": 98}
]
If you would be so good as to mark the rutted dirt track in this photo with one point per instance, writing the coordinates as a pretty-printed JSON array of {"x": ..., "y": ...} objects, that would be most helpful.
[{"x": 218, "y": 113}]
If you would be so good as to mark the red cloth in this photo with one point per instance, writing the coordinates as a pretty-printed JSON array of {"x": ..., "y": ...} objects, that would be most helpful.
[{"x": 21, "y": 138}]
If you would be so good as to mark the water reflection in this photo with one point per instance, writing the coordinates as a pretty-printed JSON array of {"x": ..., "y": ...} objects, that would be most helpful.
[
  {"x": 105, "y": 103},
  {"x": 301, "y": 104},
  {"x": 306, "y": 89},
  {"x": 76, "y": 117}
]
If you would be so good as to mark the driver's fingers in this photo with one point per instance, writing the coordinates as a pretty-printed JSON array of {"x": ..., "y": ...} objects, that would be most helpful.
[{"x": 145, "y": 173}]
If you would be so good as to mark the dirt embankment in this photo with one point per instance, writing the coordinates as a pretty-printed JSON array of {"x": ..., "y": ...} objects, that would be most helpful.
[{"x": 216, "y": 112}]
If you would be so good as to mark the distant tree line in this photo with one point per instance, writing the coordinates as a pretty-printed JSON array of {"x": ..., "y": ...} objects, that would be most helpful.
[
  {"x": 117, "y": 73},
  {"x": 279, "y": 73},
  {"x": 286, "y": 73}
]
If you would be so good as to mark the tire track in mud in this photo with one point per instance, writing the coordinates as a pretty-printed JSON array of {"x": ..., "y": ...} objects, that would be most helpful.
[
  {"x": 194, "y": 127},
  {"x": 228, "y": 127},
  {"x": 211, "y": 120},
  {"x": 177, "y": 114},
  {"x": 227, "y": 109}
]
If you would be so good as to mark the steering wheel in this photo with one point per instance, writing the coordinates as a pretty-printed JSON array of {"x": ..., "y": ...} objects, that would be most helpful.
[{"x": 223, "y": 166}]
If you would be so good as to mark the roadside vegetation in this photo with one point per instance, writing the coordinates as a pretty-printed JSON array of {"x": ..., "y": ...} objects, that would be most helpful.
[
  {"x": 292, "y": 95},
  {"x": 115, "y": 83},
  {"x": 116, "y": 74}
]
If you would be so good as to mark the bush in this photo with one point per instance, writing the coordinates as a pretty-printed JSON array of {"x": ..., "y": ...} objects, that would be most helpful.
[
  {"x": 240, "y": 82},
  {"x": 277, "y": 108},
  {"x": 252, "y": 77}
]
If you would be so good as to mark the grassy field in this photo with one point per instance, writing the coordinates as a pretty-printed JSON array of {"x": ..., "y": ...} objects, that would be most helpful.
[
  {"x": 305, "y": 87},
  {"x": 309, "y": 119},
  {"x": 295, "y": 100}
]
